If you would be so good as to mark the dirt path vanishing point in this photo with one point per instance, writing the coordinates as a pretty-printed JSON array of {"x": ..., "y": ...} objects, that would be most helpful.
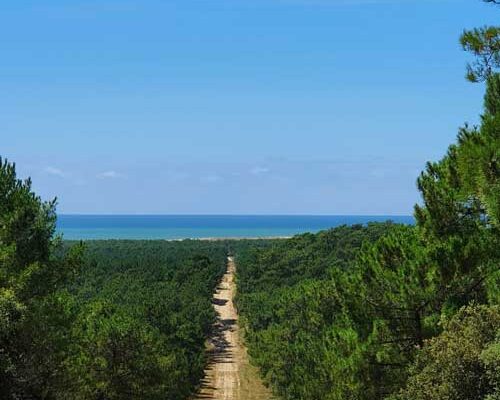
[{"x": 228, "y": 375}]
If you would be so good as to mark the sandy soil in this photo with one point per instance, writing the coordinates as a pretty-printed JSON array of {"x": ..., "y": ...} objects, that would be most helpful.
[{"x": 228, "y": 374}]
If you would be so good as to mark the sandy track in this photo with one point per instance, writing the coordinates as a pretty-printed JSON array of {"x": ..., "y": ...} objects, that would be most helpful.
[{"x": 228, "y": 375}]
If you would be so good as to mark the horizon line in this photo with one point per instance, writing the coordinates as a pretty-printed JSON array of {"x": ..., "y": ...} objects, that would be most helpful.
[{"x": 230, "y": 215}]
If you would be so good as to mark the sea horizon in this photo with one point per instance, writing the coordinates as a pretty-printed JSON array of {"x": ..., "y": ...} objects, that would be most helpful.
[{"x": 205, "y": 226}]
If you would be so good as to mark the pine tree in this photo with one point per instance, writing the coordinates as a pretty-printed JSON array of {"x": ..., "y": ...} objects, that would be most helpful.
[{"x": 33, "y": 310}]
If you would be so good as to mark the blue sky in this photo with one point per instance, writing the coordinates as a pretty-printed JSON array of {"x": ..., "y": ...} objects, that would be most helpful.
[{"x": 233, "y": 106}]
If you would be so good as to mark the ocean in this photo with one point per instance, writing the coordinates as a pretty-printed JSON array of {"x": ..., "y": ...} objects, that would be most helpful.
[{"x": 88, "y": 227}]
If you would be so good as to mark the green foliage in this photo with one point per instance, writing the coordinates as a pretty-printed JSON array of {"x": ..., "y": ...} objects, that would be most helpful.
[
  {"x": 478, "y": 156},
  {"x": 484, "y": 44},
  {"x": 32, "y": 301},
  {"x": 463, "y": 362},
  {"x": 120, "y": 357},
  {"x": 395, "y": 291},
  {"x": 449, "y": 260},
  {"x": 307, "y": 256},
  {"x": 294, "y": 306},
  {"x": 144, "y": 312},
  {"x": 490, "y": 360},
  {"x": 341, "y": 314},
  {"x": 492, "y": 95}
]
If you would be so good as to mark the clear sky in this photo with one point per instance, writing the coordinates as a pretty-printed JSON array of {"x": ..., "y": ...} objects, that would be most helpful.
[{"x": 233, "y": 106}]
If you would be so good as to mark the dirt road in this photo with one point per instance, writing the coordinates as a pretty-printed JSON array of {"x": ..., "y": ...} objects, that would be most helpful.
[{"x": 228, "y": 375}]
